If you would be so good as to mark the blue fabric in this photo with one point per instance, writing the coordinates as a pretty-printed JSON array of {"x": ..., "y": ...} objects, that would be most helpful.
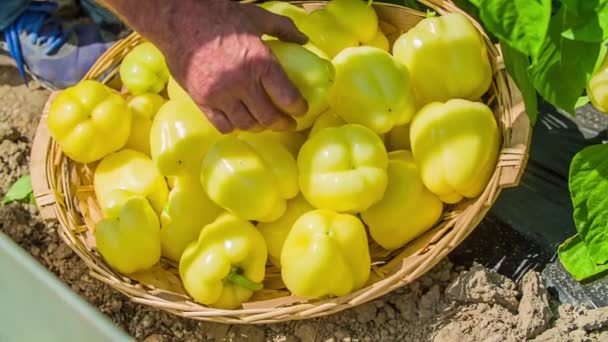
[{"x": 10, "y": 10}]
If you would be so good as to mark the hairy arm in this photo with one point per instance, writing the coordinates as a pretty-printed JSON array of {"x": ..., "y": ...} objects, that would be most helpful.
[{"x": 213, "y": 50}]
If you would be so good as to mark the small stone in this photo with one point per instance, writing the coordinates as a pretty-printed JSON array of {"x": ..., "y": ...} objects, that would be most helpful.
[
  {"x": 534, "y": 309},
  {"x": 342, "y": 333},
  {"x": 147, "y": 321},
  {"x": 481, "y": 285},
  {"x": 406, "y": 306},
  {"x": 305, "y": 332},
  {"x": 428, "y": 303},
  {"x": 593, "y": 320},
  {"x": 390, "y": 312},
  {"x": 153, "y": 338},
  {"x": 365, "y": 312}
]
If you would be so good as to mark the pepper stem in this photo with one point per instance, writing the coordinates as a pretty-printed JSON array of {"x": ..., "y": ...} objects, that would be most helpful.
[
  {"x": 430, "y": 14},
  {"x": 237, "y": 278}
]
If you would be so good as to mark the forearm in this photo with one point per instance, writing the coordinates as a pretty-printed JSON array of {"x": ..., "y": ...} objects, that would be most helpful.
[{"x": 161, "y": 20}]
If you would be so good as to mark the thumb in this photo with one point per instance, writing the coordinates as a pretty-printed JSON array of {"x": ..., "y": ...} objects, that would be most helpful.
[{"x": 284, "y": 29}]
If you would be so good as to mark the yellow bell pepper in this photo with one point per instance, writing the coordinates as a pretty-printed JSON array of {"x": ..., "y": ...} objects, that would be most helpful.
[
  {"x": 311, "y": 74},
  {"x": 291, "y": 140},
  {"x": 407, "y": 209},
  {"x": 130, "y": 241},
  {"x": 295, "y": 13},
  {"x": 89, "y": 121},
  {"x": 179, "y": 138},
  {"x": 325, "y": 254},
  {"x": 125, "y": 174},
  {"x": 447, "y": 58},
  {"x": 324, "y": 31},
  {"x": 372, "y": 89},
  {"x": 327, "y": 119},
  {"x": 455, "y": 145},
  {"x": 379, "y": 40},
  {"x": 275, "y": 232},
  {"x": 597, "y": 88},
  {"x": 250, "y": 176},
  {"x": 144, "y": 107},
  {"x": 188, "y": 210},
  {"x": 226, "y": 264},
  {"x": 343, "y": 168},
  {"x": 356, "y": 16},
  {"x": 144, "y": 70},
  {"x": 398, "y": 138}
]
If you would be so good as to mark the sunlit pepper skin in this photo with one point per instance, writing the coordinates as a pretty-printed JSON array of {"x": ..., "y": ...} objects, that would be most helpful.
[
  {"x": 125, "y": 174},
  {"x": 188, "y": 210},
  {"x": 227, "y": 263},
  {"x": 295, "y": 13},
  {"x": 597, "y": 88},
  {"x": 343, "y": 168},
  {"x": 372, "y": 89},
  {"x": 407, "y": 209},
  {"x": 325, "y": 254},
  {"x": 143, "y": 107},
  {"x": 447, "y": 58},
  {"x": 144, "y": 70},
  {"x": 180, "y": 137},
  {"x": 324, "y": 31},
  {"x": 356, "y": 16},
  {"x": 130, "y": 240},
  {"x": 89, "y": 121},
  {"x": 276, "y": 232},
  {"x": 327, "y": 119},
  {"x": 311, "y": 74},
  {"x": 250, "y": 176},
  {"x": 291, "y": 140},
  {"x": 455, "y": 145}
]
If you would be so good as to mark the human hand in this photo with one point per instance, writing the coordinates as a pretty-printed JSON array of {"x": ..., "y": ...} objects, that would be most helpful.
[{"x": 216, "y": 54}]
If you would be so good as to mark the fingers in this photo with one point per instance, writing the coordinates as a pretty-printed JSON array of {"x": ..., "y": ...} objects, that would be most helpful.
[
  {"x": 282, "y": 27},
  {"x": 218, "y": 119},
  {"x": 283, "y": 92},
  {"x": 265, "y": 112},
  {"x": 240, "y": 117}
]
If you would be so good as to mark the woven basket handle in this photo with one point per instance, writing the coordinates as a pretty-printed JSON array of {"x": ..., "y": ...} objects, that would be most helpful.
[{"x": 44, "y": 195}]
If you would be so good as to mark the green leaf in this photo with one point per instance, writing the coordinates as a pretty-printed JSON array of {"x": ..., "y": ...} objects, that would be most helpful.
[
  {"x": 589, "y": 21},
  {"x": 20, "y": 190},
  {"x": 583, "y": 100},
  {"x": 563, "y": 67},
  {"x": 517, "y": 65},
  {"x": 574, "y": 255},
  {"x": 521, "y": 23},
  {"x": 588, "y": 183}
]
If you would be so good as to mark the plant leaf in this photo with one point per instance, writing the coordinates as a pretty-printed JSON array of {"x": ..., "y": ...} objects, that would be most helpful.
[
  {"x": 20, "y": 190},
  {"x": 517, "y": 65},
  {"x": 574, "y": 255},
  {"x": 590, "y": 20},
  {"x": 563, "y": 67},
  {"x": 588, "y": 183},
  {"x": 521, "y": 23}
]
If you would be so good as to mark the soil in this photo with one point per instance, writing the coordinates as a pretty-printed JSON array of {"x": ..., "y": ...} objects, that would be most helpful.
[{"x": 449, "y": 303}]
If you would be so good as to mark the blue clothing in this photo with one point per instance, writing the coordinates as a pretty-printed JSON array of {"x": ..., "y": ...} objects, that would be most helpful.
[
  {"x": 58, "y": 51},
  {"x": 11, "y": 10}
]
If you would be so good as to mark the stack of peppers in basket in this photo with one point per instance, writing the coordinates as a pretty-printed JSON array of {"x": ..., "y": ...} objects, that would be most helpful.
[{"x": 393, "y": 132}]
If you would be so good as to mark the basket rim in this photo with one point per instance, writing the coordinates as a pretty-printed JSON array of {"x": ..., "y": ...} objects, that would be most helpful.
[{"x": 47, "y": 184}]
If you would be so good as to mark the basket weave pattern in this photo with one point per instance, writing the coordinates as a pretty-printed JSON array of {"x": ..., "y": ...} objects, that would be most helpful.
[{"x": 64, "y": 192}]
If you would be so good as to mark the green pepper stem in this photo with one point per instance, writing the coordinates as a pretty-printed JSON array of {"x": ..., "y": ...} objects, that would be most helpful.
[
  {"x": 430, "y": 14},
  {"x": 237, "y": 278}
]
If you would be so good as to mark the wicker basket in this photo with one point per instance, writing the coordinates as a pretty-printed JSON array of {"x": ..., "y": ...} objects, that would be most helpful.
[{"x": 64, "y": 192}]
